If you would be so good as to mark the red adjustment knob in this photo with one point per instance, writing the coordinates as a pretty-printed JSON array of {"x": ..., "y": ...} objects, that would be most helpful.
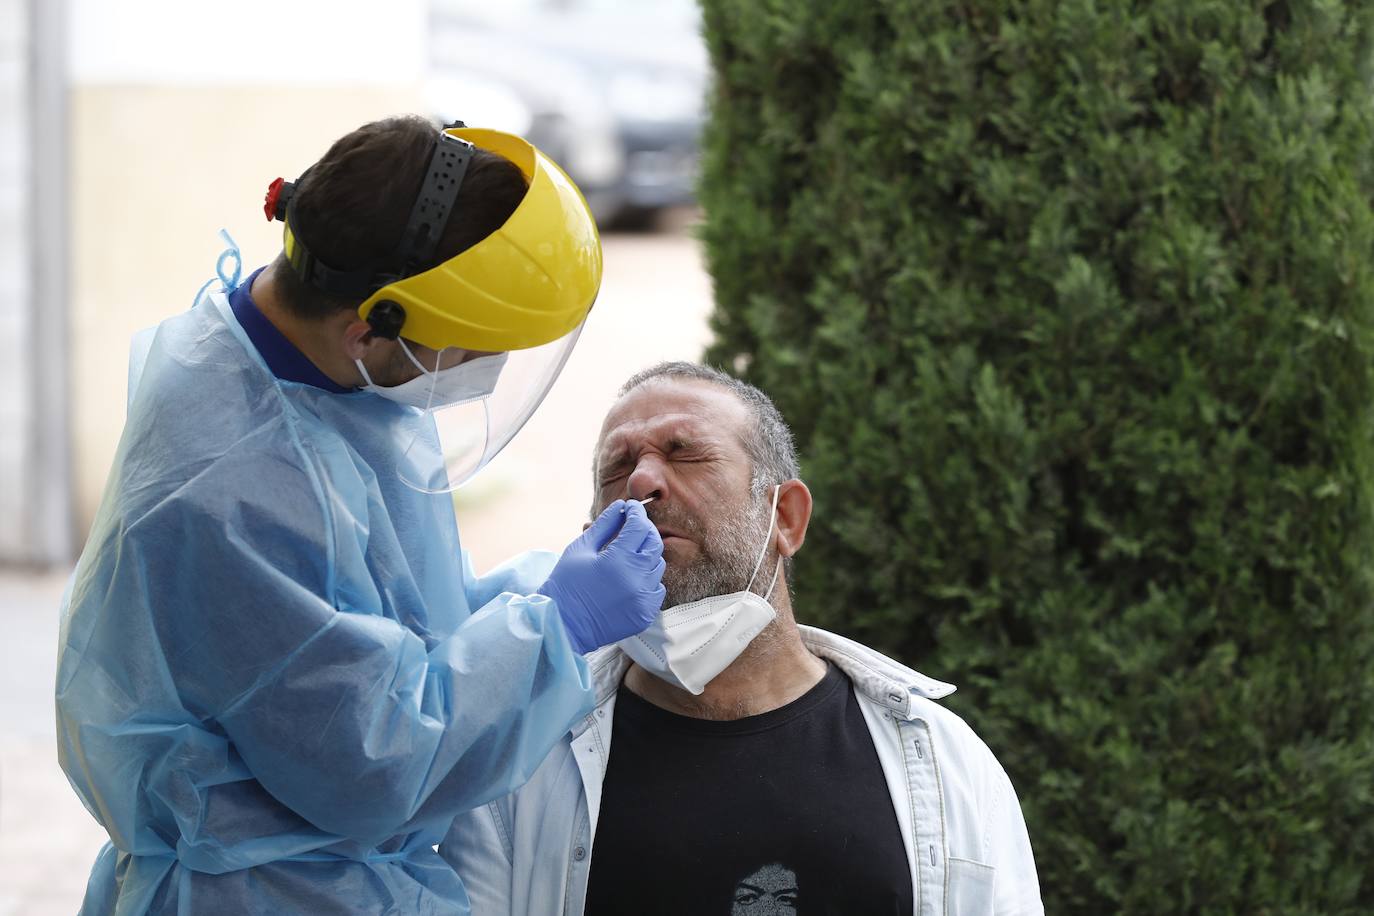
[{"x": 269, "y": 206}]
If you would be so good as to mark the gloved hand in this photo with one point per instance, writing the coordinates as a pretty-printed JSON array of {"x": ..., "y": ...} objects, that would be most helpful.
[{"x": 609, "y": 584}]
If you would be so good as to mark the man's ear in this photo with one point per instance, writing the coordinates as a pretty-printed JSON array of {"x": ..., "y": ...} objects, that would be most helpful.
[
  {"x": 794, "y": 515},
  {"x": 358, "y": 338}
]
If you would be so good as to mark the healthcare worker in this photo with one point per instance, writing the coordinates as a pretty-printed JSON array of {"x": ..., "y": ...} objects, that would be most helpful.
[{"x": 279, "y": 679}]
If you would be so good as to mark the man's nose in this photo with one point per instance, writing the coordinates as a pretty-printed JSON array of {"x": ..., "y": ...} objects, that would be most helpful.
[{"x": 649, "y": 478}]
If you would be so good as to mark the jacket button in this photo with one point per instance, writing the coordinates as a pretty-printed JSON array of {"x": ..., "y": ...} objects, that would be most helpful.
[{"x": 580, "y": 853}]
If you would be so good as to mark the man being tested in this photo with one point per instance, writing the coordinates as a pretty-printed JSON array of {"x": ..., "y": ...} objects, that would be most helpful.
[
  {"x": 279, "y": 679},
  {"x": 737, "y": 762}
]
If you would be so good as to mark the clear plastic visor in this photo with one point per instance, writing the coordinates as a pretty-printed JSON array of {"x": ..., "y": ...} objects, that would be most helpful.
[{"x": 461, "y": 438}]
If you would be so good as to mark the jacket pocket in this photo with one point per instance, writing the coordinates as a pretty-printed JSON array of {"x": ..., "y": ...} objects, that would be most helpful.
[{"x": 970, "y": 888}]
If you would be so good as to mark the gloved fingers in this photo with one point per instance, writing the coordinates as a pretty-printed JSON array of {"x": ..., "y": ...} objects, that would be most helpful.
[
  {"x": 631, "y": 530},
  {"x": 639, "y": 534},
  {"x": 659, "y": 569},
  {"x": 635, "y": 510},
  {"x": 652, "y": 545},
  {"x": 606, "y": 526}
]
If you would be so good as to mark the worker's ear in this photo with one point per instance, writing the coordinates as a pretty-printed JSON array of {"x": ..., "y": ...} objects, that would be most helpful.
[
  {"x": 358, "y": 338},
  {"x": 794, "y": 515}
]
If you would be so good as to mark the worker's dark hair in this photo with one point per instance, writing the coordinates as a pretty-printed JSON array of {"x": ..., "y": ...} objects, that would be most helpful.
[{"x": 353, "y": 204}]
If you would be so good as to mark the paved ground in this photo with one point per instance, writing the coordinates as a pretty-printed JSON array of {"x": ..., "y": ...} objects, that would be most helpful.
[
  {"x": 653, "y": 306},
  {"x": 47, "y": 840}
]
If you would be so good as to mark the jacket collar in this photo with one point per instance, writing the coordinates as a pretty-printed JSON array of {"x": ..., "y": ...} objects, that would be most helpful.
[
  {"x": 884, "y": 681},
  {"x": 608, "y": 665}
]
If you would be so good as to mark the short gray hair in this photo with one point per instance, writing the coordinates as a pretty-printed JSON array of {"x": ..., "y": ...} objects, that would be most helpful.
[{"x": 767, "y": 440}]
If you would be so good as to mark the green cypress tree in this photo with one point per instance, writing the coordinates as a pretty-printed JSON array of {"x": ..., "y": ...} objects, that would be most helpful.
[{"x": 1070, "y": 304}]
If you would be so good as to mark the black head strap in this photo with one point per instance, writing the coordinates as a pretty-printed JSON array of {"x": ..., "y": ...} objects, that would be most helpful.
[{"x": 428, "y": 217}]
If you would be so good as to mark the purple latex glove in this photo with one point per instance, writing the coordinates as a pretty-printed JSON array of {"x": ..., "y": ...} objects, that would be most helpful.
[{"x": 609, "y": 582}]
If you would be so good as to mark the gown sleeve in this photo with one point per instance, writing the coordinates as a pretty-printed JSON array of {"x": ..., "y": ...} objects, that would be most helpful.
[{"x": 346, "y": 717}]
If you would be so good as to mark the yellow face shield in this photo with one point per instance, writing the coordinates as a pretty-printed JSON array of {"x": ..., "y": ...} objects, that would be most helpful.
[
  {"x": 530, "y": 282},
  {"x": 525, "y": 290}
]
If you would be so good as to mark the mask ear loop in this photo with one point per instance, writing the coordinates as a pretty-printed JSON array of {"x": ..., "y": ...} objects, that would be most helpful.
[
  {"x": 772, "y": 582},
  {"x": 772, "y": 517},
  {"x": 431, "y": 374}
]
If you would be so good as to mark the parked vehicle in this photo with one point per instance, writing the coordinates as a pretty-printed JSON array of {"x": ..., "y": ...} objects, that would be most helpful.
[{"x": 611, "y": 89}]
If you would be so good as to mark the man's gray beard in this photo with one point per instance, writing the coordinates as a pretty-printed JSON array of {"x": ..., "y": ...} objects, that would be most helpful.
[{"x": 726, "y": 558}]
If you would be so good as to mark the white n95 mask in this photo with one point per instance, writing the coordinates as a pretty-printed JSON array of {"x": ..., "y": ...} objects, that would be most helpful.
[
  {"x": 433, "y": 390},
  {"x": 687, "y": 645}
]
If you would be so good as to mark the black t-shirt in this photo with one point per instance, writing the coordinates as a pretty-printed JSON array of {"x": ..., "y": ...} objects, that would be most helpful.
[{"x": 778, "y": 813}]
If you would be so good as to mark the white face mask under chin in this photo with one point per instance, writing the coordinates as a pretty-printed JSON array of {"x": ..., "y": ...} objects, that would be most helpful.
[
  {"x": 687, "y": 645},
  {"x": 432, "y": 390}
]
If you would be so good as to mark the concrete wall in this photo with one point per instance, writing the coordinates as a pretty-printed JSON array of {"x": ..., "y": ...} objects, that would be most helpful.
[
  {"x": 15, "y": 131},
  {"x": 35, "y": 518}
]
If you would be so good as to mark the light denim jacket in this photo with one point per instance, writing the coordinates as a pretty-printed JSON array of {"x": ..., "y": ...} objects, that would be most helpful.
[{"x": 530, "y": 852}]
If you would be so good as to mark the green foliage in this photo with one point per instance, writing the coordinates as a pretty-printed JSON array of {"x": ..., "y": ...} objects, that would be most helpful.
[{"x": 1070, "y": 304}]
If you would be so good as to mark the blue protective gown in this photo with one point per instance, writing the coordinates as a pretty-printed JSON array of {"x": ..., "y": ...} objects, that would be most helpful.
[{"x": 279, "y": 679}]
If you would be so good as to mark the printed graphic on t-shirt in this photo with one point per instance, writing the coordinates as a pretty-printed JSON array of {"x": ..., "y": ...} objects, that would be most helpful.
[{"x": 770, "y": 891}]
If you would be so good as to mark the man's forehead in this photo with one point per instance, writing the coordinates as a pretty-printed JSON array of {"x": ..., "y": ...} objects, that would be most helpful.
[{"x": 680, "y": 407}]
